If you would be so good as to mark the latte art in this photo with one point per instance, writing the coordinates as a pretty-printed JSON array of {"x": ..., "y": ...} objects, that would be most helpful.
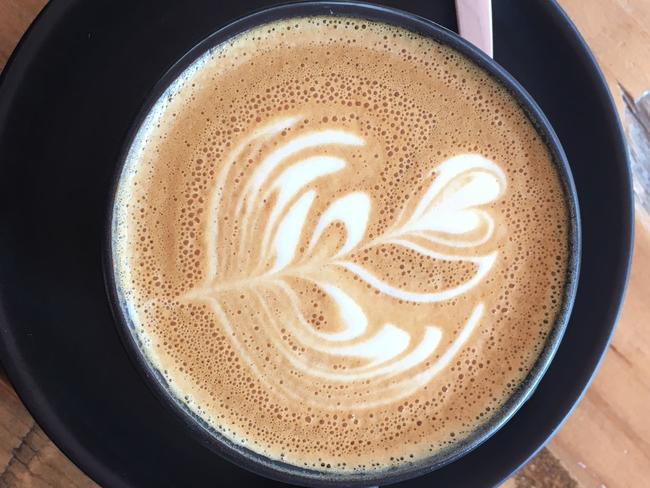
[
  {"x": 292, "y": 255},
  {"x": 342, "y": 244}
]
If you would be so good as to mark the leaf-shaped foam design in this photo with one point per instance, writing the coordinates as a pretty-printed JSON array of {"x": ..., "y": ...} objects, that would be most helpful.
[
  {"x": 449, "y": 205},
  {"x": 280, "y": 197},
  {"x": 353, "y": 210},
  {"x": 353, "y": 318},
  {"x": 484, "y": 262},
  {"x": 289, "y": 230},
  {"x": 292, "y": 180}
]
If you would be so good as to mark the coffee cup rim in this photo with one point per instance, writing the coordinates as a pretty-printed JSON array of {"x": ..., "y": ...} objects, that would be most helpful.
[{"x": 283, "y": 471}]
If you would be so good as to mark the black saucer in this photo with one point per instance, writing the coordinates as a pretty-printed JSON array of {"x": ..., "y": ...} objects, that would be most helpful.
[{"x": 67, "y": 98}]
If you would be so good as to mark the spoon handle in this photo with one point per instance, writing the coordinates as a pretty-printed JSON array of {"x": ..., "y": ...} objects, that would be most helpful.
[{"x": 475, "y": 22}]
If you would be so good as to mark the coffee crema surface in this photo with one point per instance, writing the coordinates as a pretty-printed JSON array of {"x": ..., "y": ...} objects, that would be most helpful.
[{"x": 343, "y": 244}]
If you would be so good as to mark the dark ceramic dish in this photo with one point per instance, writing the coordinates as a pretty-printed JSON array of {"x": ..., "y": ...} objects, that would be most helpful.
[
  {"x": 279, "y": 470},
  {"x": 68, "y": 99}
]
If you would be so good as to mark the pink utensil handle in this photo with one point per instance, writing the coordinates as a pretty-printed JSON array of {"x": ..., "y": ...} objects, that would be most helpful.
[{"x": 475, "y": 23}]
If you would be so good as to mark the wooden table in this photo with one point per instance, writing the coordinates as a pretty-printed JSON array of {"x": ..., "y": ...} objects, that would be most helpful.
[{"x": 606, "y": 443}]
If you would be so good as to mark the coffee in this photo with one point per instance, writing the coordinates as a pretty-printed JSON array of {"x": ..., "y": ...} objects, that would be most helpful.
[{"x": 343, "y": 244}]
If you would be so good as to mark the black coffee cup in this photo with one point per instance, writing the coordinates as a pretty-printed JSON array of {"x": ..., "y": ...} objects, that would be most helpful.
[{"x": 289, "y": 473}]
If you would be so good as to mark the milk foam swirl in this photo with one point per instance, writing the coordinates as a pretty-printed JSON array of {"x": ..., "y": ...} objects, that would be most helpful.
[
  {"x": 448, "y": 215},
  {"x": 317, "y": 249}
]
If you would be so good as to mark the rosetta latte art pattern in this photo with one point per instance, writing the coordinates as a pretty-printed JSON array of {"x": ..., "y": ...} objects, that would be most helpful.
[
  {"x": 341, "y": 244},
  {"x": 448, "y": 213}
]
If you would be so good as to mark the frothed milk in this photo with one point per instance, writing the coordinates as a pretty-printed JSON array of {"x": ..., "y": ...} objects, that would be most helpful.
[{"x": 342, "y": 243}]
